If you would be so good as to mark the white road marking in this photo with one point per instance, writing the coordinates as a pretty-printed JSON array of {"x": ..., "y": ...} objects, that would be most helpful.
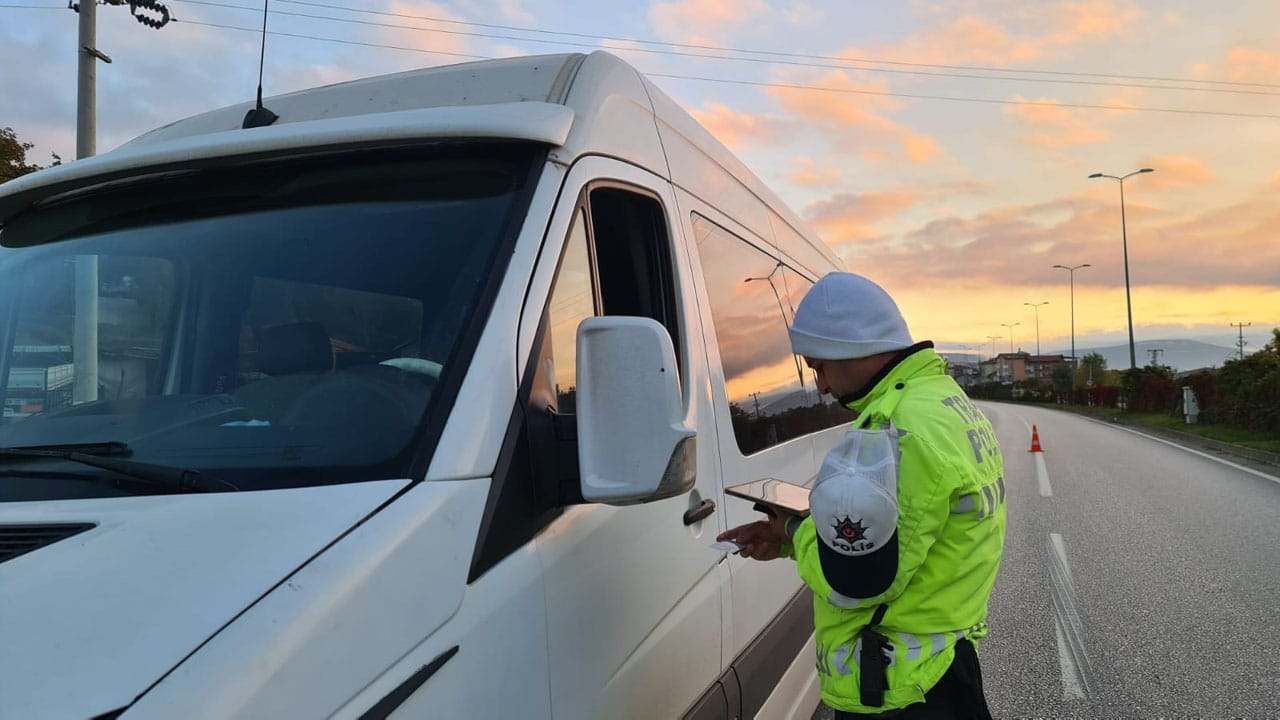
[
  {"x": 1228, "y": 463},
  {"x": 1072, "y": 658},
  {"x": 1061, "y": 548},
  {"x": 1042, "y": 474},
  {"x": 1072, "y": 688}
]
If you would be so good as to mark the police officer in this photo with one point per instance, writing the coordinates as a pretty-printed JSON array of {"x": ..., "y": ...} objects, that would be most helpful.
[{"x": 907, "y": 516}]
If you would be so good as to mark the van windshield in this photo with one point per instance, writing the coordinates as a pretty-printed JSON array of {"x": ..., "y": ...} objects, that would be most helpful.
[{"x": 273, "y": 325}]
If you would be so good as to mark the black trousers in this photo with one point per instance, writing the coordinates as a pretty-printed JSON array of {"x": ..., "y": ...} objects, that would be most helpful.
[{"x": 957, "y": 696}]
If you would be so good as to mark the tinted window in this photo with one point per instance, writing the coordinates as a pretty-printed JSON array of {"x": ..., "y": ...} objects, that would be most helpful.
[
  {"x": 772, "y": 395},
  {"x": 572, "y": 301},
  {"x": 285, "y": 324}
]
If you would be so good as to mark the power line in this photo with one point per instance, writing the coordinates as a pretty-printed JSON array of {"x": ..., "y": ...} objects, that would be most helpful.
[
  {"x": 335, "y": 40},
  {"x": 791, "y": 86},
  {"x": 676, "y": 53},
  {"x": 779, "y": 54},
  {"x": 32, "y": 7},
  {"x": 988, "y": 101},
  {"x": 717, "y": 48}
]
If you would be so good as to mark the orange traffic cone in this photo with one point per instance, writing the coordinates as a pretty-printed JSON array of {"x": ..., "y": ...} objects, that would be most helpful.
[{"x": 1035, "y": 440}]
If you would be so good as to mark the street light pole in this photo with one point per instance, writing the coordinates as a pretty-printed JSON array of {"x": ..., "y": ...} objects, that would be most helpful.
[
  {"x": 1011, "y": 326},
  {"x": 993, "y": 339},
  {"x": 1036, "y": 307},
  {"x": 769, "y": 279},
  {"x": 1124, "y": 239},
  {"x": 1071, "y": 273}
]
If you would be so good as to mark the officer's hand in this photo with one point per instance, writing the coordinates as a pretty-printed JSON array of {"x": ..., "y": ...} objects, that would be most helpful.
[{"x": 761, "y": 540}]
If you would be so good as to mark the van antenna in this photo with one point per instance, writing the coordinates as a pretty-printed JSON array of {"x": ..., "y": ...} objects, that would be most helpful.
[{"x": 260, "y": 116}]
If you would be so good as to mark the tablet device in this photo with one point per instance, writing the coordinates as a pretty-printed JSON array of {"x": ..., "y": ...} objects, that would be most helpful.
[{"x": 773, "y": 493}]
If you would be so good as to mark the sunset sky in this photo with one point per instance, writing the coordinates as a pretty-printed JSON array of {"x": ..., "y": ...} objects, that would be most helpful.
[{"x": 940, "y": 147}]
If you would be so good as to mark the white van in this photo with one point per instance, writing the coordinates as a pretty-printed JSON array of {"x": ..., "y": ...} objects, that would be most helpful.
[{"x": 419, "y": 402}]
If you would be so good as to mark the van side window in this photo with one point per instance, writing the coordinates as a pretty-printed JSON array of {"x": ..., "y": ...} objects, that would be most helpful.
[
  {"x": 633, "y": 257},
  {"x": 616, "y": 261},
  {"x": 622, "y": 237},
  {"x": 572, "y": 301},
  {"x": 772, "y": 395}
]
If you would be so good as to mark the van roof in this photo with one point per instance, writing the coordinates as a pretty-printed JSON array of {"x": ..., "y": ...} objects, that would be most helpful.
[{"x": 573, "y": 102}]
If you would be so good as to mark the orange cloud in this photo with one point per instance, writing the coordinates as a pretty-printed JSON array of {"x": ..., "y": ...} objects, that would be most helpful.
[
  {"x": 1176, "y": 171},
  {"x": 1018, "y": 245},
  {"x": 848, "y": 218},
  {"x": 1052, "y": 125},
  {"x": 737, "y": 130},
  {"x": 919, "y": 148},
  {"x": 1022, "y": 32},
  {"x": 1253, "y": 64},
  {"x": 807, "y": 173},
  {"x": 702, "y": 20},
  {"x": 438, "y": 42},
  {"x": 1079, "y": 22},
  {"x": 851, "y": 119}
]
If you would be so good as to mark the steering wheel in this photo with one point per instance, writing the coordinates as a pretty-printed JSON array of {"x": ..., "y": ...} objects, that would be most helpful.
[{"x": 344, "y": 396}]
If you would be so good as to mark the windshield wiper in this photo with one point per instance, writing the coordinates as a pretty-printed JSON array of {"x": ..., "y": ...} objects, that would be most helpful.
[{"x": 100, "y": 455}]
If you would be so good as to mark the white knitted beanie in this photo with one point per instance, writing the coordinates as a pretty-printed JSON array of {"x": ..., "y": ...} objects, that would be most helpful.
[{"x": 846, "y": 316}]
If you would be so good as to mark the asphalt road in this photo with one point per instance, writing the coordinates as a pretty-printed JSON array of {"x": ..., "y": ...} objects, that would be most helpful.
[{"x": 1140, "y": 580}]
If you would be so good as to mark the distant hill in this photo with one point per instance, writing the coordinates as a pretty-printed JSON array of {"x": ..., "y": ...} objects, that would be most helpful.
[{"x": 1178, "y": 354}]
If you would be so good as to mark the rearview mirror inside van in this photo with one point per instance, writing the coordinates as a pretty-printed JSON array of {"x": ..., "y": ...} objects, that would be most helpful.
[{"x": 633, "y": 442}]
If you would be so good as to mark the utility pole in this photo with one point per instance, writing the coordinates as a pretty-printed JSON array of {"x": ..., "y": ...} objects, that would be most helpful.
[
  {"x": 84, "y": 341},
  {"x": 87, "y": 56},
  {"x": 756, "y": 396},
  {"x": 1241, "y": 343},
  {"x": 86, "y": 81}
]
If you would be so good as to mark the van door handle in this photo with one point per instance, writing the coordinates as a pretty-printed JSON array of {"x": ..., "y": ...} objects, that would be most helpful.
[{"x": 693, "y": 515}]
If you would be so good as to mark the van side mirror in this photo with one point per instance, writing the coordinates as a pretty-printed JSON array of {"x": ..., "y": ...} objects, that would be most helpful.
[{"x": 633, "y": 443}]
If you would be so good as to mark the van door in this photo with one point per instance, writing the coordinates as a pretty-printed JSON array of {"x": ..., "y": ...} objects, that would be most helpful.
[
  {"x": 768, "y": 402},
  {"x": 633, "y": 593}
]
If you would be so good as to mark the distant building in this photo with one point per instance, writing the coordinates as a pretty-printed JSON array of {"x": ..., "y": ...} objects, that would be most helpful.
[
  {"x": 965, "y": 374},
  {"x": 1020, "y": 367},
  {"x": 1040, "y": 367}
]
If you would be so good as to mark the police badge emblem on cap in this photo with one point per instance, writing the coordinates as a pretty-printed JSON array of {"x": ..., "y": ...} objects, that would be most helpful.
[{"x": 854, "y": 504}]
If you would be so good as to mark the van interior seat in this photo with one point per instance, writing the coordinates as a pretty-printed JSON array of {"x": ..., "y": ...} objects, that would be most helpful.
[
  {"x": 304, "y": 388},
  {"x": 294, "y": 348}
]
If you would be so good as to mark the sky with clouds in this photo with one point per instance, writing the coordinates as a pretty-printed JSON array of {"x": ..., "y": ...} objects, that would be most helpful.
[{"x": 942, "y": 148}]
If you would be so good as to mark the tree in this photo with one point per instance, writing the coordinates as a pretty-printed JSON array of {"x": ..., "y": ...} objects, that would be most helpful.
[
  {"x": 1092, "y": 370},
  {"x": 13, "y": 156},
  {"x": 1249, "y": 388},
  {"x": 1062, "y": 378},
  {"x": 1150, "y": 389}
]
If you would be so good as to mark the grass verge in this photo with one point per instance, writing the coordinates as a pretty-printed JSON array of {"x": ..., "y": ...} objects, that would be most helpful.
[{"x": 1267, "y": 442}]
